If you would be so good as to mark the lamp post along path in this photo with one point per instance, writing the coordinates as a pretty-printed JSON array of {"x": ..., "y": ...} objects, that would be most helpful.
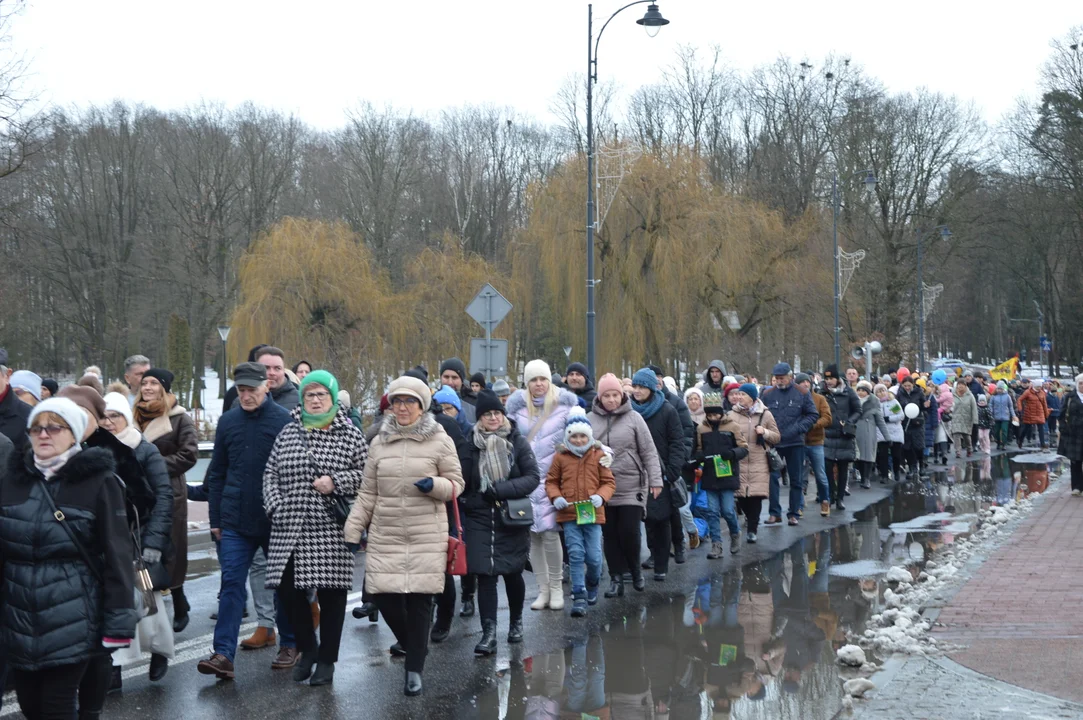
[
  {"x": 223, "y": 332},
  {"x": 870, "y": 186},
  {"x": 652, "y": 21}
]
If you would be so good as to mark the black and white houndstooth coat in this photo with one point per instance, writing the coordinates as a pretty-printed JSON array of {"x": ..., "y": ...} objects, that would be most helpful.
[{"x": 302, "y": 524}]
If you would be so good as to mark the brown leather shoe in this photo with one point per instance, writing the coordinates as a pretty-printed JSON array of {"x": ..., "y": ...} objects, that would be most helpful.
[
  {"x": 693, "y": 540},
  {"x": 825, "y": 508},
  {"x": 286, "y": 658},
  {"x": 218, "y": 665},
  {"x": 261, "y": 638},
  {"x": 315, "y": 606}
]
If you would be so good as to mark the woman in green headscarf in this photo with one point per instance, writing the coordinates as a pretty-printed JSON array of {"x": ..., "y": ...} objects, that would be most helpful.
[{"x": 319, "y": 455}]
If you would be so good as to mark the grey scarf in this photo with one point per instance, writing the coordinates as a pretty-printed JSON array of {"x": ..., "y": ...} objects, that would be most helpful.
[{"x": 495, "y": 462}]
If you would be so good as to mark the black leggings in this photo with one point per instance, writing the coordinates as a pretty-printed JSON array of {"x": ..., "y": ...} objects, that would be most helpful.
[
  {"x": 514, "y": 586},
  {"x": 620, "y": 538},
  {"x": 409, "y": 616},
  {"x": 913, "y": 459},
  {"x": 837, "y": 473},
  {"x": 865, "y": 468},
  {"x": 1077, "y": 474},
  {"x": 95, "y": 684},
  {"x": 332, "y": 614},
  {"x": 49, "y": 694},
  {"x": 751, "y": 508}
]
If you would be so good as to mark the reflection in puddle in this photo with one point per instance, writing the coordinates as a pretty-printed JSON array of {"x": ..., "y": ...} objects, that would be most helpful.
[{"x": 758, "y": 641}]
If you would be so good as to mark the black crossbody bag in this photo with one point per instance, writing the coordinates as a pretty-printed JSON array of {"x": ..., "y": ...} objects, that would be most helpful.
[{"x": 337, "y": 504}]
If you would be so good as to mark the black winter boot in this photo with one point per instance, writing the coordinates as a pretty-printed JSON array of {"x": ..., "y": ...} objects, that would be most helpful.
[
  {"x": 487, "y": 644},
  {"x": 515, "y": 630}
]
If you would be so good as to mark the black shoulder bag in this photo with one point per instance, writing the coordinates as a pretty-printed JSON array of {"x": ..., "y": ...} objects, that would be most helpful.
[
  {"x": 337, "y": 504},
  {"x": 59, "y": 516}
]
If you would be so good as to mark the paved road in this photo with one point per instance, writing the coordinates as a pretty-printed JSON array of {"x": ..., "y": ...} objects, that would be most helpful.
[{"x": 368, "y": 684}]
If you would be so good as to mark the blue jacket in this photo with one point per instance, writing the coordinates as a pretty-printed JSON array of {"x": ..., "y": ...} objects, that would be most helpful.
[
  {"x": 1053, "y": 401},
  {"x": 1002, "y": 406},
  {"x": 795, "y": 413},
  {"x": 234, "y": 480}
]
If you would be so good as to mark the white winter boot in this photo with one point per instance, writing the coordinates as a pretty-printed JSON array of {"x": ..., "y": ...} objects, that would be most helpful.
[
  {"x": 542, "y": 600},
  {"x": 556, "y": 592}
]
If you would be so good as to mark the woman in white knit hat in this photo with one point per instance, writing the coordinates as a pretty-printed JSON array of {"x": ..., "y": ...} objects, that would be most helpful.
[
  {"x": 153, "y": 503},
  {"x": 68, "y": 585},
  {"x": 540, "y": 413}
]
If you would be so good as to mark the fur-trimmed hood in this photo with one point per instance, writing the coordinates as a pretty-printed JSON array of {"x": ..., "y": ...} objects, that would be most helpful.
[
  {"x": 425, "y": 427},
  {"x": 518, "y": 400},
  {"x": 85, "y": 463}
]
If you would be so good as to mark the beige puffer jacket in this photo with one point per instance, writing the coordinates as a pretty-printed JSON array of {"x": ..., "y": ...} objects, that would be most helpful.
[
  {"x": 408, "y": 529},
  {"x": 755, "y": 473}
]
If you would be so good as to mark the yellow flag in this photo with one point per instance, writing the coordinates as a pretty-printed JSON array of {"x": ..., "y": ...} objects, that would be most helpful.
[{"x": 1005, "y": 370}]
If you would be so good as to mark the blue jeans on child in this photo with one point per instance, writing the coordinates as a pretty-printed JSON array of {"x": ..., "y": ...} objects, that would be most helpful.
[
  {"x": 720, "y": 503},
  {"x": 584, "y": 543}
]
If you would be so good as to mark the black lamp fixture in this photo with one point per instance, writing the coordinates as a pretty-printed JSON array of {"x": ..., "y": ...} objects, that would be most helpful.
[{"x": 652, "y": 20}]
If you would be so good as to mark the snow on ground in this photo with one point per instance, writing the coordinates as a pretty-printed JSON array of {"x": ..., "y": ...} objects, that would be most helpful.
[
  {"x": 212, "y": 404},
  {"x": 901, "y": 628}
]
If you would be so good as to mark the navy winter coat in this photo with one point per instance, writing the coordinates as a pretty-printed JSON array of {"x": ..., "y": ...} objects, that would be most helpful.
[
  {"x": 234, "y": 479},
  {"x": 795, "y": 413}
]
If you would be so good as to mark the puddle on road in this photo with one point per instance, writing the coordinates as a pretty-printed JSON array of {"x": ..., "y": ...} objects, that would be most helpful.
[{"x": 759, "y": 641}]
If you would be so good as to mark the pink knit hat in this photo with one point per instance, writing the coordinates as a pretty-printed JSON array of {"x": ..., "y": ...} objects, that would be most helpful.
[{"x": 608, "y": 382}]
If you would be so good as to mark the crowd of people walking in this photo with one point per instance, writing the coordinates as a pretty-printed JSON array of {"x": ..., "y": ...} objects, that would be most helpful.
[{"x": 563, "y": 477}]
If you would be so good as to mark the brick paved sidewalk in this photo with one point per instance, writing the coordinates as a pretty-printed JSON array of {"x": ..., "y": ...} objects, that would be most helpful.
[{"x": 1020, "y": 616}]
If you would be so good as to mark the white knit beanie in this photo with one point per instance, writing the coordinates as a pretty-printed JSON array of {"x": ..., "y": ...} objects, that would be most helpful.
[
  {"x": 536, "y": 369},
  {"x": 73, "y": 415},
  {"x": 117, "y": 403},
  {"x": 693, "y": 391},
  {"x": 1079, "y": 378}
]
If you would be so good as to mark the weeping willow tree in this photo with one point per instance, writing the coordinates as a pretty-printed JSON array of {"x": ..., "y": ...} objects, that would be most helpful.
[
  {"x": 441, "y": 283},
  {"x": 313, "y": 289},
  {"x": 688, "y": 271}
]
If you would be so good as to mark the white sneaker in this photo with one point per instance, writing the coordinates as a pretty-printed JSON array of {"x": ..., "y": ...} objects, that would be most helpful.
[{"x": 1076, "y": 493}]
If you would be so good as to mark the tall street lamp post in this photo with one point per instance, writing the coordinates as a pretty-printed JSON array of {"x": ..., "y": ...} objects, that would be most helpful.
[
  {"x": 870, "y": 186},
  {"x": 945, "y": 233},
  {"x": 223, "y": 332},
  {"x": 652, "y": 21}
]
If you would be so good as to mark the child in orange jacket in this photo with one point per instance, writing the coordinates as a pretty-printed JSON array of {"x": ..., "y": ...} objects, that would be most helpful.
[{"x": 578, "y": 484}]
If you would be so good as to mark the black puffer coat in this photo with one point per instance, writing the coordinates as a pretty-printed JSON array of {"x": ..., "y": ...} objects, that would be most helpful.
[
  {"x": 55, "y": 611},
  {"x": 668, "y": 436},
  {"x": 1071, "y": 427},
  {"x": 146, "y": 483},
  {"x": 492, "y": 548},
  {"x": 839, "y": 436},
  {"x": 914, "y": 430}
]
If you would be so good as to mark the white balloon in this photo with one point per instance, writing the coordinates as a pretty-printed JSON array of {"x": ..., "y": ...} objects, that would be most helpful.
[{"x": 911, "y": 410}]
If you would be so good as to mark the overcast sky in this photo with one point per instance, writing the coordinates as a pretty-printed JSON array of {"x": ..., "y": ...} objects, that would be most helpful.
[{"x": 318, "y": 57}]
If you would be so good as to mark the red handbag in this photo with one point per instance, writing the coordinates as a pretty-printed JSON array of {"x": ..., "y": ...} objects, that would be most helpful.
[{"x": 456, "y": 548}]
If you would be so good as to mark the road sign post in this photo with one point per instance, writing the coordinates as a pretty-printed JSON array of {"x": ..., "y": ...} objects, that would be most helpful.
[{"x": 488, "y": 308}]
